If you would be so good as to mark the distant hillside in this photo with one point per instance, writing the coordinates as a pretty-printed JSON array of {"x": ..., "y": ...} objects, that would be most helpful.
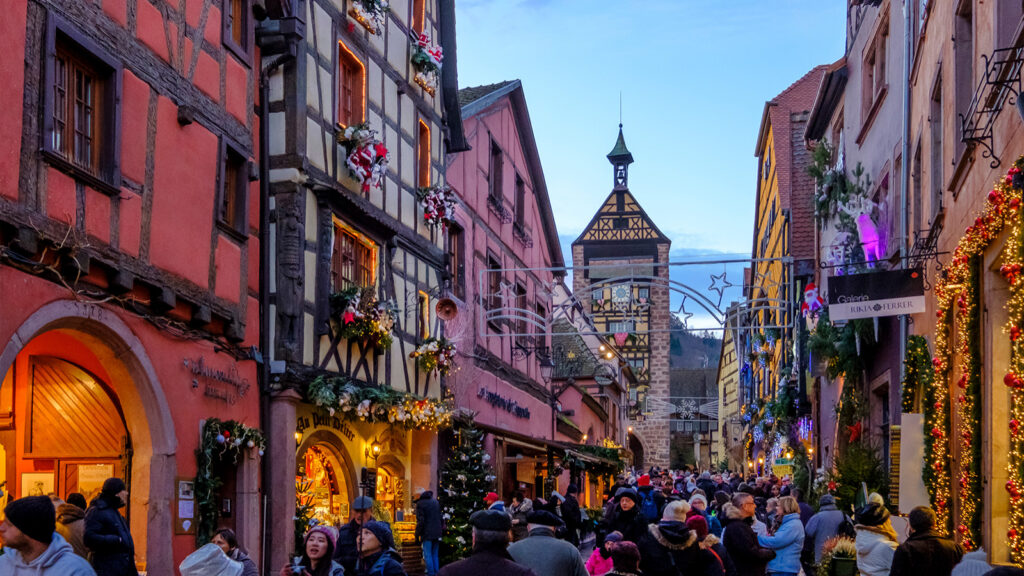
[{"x": 693, "y": 349}]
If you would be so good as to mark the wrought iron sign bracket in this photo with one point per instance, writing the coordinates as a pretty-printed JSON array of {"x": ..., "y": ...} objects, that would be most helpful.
[{"x": 1000, "y": 85}]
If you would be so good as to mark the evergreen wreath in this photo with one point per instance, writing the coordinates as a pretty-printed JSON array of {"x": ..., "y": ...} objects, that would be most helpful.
[{"x": 220, "y": 442}]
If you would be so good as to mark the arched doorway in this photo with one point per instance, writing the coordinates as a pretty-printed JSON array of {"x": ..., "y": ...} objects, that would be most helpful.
[
  {"x": 94, "y": 343},
  {"x": 325, "y": 479},
  {"x": 391, "y": 487},
  {"x": 637, "y": 448}
]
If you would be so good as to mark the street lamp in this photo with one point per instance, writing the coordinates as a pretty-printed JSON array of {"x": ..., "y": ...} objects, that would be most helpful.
[{"x": 546, "y": 368}]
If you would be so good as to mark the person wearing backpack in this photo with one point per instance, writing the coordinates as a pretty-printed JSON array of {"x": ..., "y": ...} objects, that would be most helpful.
[{"x": 652, "y": 501}]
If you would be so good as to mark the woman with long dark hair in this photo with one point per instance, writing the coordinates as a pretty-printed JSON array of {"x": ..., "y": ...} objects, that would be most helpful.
[{"x": 318, "y": 549}]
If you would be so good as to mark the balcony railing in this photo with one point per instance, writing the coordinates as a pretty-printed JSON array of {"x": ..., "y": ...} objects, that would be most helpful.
[{"x": 1000, "y": 85}]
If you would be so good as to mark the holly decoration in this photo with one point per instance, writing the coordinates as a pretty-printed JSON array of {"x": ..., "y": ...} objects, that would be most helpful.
[
  {"x": 221, "y": 442},
  {"x": 465, "y": 479}
]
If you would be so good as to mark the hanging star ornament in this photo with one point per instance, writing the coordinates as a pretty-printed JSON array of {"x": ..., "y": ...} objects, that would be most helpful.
[
  {"x": 719, "y": 284},
  {"x": 683, "y": 315}
]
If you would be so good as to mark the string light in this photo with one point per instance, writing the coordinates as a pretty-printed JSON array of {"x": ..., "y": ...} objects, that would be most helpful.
[{"x": 958, "y": 297}]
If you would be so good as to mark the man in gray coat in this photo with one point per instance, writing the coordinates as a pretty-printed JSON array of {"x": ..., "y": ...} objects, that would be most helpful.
[
  {"x": 823, "y": 525},
  {"x": 545, "y": 554}
]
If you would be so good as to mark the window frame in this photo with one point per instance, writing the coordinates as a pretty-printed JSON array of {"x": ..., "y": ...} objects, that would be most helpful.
[
  {"x": 346, "y": 53},
  {"x": 496, "y": 172},
  {"x": 336, "y": 266},
  {"x": 239, "y": 224},
  {"x": 422, "y": 315},
  {"x": 418, "y": 22},
  {"x": 874, "y": 74},
  {"x": 244, "y": 50},
  {"x": 109, "y": 71},
  {"x": 457, "y": 260},
  {"x": 423, "y": 164},
  {"x": 520, "y": 207}
]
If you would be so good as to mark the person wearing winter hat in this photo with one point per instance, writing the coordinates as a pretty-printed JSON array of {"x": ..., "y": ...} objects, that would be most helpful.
[
  {"x": 494, "y": 501},
  {"x": 823, "y": 525},
  {"x": 668, "y": 544},
  {"x": 545, "y": 554},
  {"x": 876, "y": 540},
  {"x": 377, "y": 554},
  {"x": 31, "y": 544},
  {"x": 710, "y": 557},
  {"x": 490, "y": 548},
  {"x": 600, "y": 561},
  {"x": 71, "y": 523},
  {"x": 625, "y": 517},
  {"x": 107, "y": 534},
  {"x": 317, "y": 554},
  {"x": 973, "y": 564},
  {"x": 227, "y": 541},
  {"x": 654, "y": 499},
  {"x": 346, "y": 552},
  {"x": 209, "y": 560},
  {"x": 699, "y": 505},
  {"x": 571, "y": 515}
]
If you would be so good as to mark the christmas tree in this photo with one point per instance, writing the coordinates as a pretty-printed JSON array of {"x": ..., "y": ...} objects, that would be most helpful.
[{"x": 465, "y": 479}]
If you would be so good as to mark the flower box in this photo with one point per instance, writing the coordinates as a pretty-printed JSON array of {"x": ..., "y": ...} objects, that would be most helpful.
[
  {"x": 370, "y": 14},
  {"x": 426, "y": 59}
]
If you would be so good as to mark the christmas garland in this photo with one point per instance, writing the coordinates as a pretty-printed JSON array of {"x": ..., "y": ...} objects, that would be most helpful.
[
  {"x": 438, "y": 205},
  {"x": 371, "y": 14},
  {"x": 360, "y": 316},
  {"x": 426, "y": 58},
  {"x": 220, "y": 442},
  {"x": 375, "y": 404},
  {"x": 435, "y": 355},
  {"x": 917, "y": 372},
  {"x": 959, "y": 288}
]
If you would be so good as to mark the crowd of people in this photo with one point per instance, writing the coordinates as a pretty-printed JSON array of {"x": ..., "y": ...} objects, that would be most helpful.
[{"x": 655, "y": 523}]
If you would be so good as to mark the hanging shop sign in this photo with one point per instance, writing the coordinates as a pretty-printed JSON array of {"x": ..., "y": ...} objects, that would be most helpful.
[
  {"x": 506, "y": 404},
  {"x": 875, "y": 294},
  {"x": 227, "y": 385}
]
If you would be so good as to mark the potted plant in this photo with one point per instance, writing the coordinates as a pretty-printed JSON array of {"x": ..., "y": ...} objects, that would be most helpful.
[{"x": 839, "y": 557}]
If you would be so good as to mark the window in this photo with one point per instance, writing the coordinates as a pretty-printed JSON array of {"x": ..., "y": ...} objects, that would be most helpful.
[
  {"x": 621, "y": 326},
  {"x": 423, "y": 315},
  {"x": 493, "y": 283},
  {"x": 522, "y": 306},
  {"x": 457, "y": 261},
  {"x": 520, "y": 201},
  {"x": 963, "y": 70},
  {"x": 495, "y": 173},
  {"x": 1009, "y": 14},
  {"x": 353, "y": 259},
  {"x": 541, "y": 338},
  {"x": 423, "y": 155},
  {"x": 351, "y": 87},
  {"x": 643, "y": 293},
  {"x": 419, "y": 15},
  {"x": 80, "y": 115},
  {"x": 233, "y": 186},
  {"x": 915, "y": 182},
  {"x": 874, "y": 82},
  {"x": 236, "y": 23},
  {"x": 935, "y": 169}
]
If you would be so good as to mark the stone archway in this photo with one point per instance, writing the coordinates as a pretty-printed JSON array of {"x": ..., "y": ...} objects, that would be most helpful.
[
  {"x": 147, "y": 414},
  {"x": 636, "y": 446},
  {"x": 332, "y": 441}
]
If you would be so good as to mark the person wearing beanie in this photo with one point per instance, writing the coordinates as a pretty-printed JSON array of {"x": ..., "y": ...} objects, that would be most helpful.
[
  {"x": 571, "y": 515},
  {"x": 699, "y": 505},
  {"x": 317, "y": 554},
  {"x": 71, "y": 524},
  {"x": 925, "y": 552},
  {"x": 600, "y": 561},
  {"x": 668, "y": 544},
  {"x": 625, "y": 517},
  {"x": 106, "y": 532},
  {"x": 545, "y": 554},
  {"x": 625, "y": 559},
  {"x": 31, "y": 544},
  {"x": 823, "y": 525},
  {"x": 377, "y": 554},
  {"x": 709, "y": 558},
  {"x": 490, "y": 548},
  {"x": 652, "y": 501},
  {"x": 974, "y": 563},
  {"x": 876, "y": 540}
]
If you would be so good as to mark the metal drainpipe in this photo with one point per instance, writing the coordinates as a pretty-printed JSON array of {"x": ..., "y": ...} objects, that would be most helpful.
[{"x": 905, "y": 151}]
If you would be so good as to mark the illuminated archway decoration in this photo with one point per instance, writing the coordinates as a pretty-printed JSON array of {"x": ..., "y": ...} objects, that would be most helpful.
[{"x": 958, "y": 300}]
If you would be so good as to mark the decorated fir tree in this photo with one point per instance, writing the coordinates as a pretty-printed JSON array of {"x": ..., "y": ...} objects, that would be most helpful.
[{"x": 465, "y": 479}]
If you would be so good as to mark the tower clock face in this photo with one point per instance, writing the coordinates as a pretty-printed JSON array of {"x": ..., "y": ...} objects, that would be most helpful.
[{"x": 621, "y": 293}]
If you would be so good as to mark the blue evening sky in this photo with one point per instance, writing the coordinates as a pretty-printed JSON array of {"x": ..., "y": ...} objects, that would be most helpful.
[{"x": 694, "y": 76}]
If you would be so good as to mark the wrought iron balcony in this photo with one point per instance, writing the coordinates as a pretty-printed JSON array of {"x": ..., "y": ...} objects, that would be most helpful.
[{"x": 1000, "y": 85}]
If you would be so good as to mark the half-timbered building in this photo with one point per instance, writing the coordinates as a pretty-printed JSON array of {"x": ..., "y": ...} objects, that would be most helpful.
[
  {"x": 359, "y": 125},
  {"x": 128, "y": 270},
  {"x": 620, "y": 273}
]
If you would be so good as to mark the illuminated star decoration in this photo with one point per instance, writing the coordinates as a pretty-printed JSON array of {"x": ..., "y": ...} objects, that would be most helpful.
[
  {"x": 719, "y": 284},
  {"x": 683, "y": 315}
]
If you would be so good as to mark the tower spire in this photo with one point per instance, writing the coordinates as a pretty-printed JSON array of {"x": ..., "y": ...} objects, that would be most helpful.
[{"x": 621, "y": 158}]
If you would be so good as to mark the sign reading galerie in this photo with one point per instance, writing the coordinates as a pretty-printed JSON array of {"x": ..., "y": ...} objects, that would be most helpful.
[{"x": 874, "y": 294}]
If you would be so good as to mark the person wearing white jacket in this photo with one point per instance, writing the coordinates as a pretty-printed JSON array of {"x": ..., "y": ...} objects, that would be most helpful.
[{"x": 876, "y": 540}]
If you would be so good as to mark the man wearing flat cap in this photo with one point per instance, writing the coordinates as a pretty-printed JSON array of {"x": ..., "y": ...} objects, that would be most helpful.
[
  {"x": 545, "y": 554},
  {"x": 32, "y": 545},
  {"x": 347, "y": 551},
  {"x": 490, "y": 542}
]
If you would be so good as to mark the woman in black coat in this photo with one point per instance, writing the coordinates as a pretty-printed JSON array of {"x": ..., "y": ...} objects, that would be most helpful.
[
  {"x": 429, "y": 530},
  {"x": 107, "y": 534},
  {"x": 625, "y": 517}
]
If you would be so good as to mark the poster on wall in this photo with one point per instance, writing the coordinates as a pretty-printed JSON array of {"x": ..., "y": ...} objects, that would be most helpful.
[
  {"x": 184, "y": 509},
  {"x": 876, "y": 294},
  {"x": 36, "y": 483},
  {"x": 92, "y": 476}
]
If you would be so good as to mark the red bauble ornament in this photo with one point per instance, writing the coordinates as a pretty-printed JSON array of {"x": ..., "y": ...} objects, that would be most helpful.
[
  {"x": 1011, "y": 533},
  {"x": 1014, "y": 203},
  {"x": 1014, "y": 333},
  {"x": 226, "y": 433},
  {"x": 938, "y": 405},
  {"x": 1014, "y": 426},
  {"x": 962, "y": 382},
  {"x": 1010, "y": 379},
  {"x": 936, "y": 433}
]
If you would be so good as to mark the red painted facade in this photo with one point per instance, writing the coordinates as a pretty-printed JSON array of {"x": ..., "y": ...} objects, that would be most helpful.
[{"x": 129, "y": 267}]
